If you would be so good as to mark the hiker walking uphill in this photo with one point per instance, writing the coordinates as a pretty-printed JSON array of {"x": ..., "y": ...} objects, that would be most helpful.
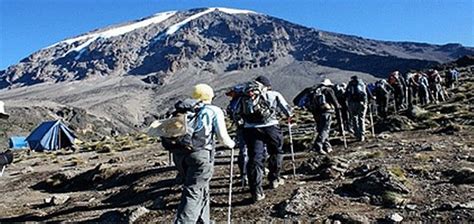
[
  {"x": 452, "y": 78},
  {"x": 435, "y": 86},
  {"x": 323, "y": 104},
  {"x": 342, "y": 115},
  {"x": 258, "y": 109},
  {"x": 398, "y": 83},
  {"x": 423, "y": 89},
  {"x": 194, "y": 154},
  {"x": 356, "y": 94},
  {"x": 412, "y": 86},
  {"x": 232, "y": 109},
  {"x": 382, "y": 96}
]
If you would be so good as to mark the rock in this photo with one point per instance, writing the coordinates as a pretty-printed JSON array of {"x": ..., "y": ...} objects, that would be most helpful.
[
  {"x": 463, "y": 176},
  {"x": 378, "y": 182},
  {"x": 395, "y": 217},
  {"x": 112, "y": 217},
  {"x": 467, "y": 205},
  {"x": 425, "y": 147},
  {"x": 158, "y": 203},
  {"x": 325, "y": 167},
  {"x": 349, "y": 217},
  {"x": 60, "y": 199},
  {"x": 360, "y": 171},
  {"x": 56, "y": 200},
  {"x": 415, "y": 112},
  {"x": 302, "y": 199},
  {"x": 411, "y": 207},
  {"x": 449, "y": 129},
  {"x": 135, "y": 214},
  {"x": 394, "y": 123}
]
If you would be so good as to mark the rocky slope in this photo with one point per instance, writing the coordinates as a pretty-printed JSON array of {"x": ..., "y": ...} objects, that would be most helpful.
[{"x": 417, "y": 168}]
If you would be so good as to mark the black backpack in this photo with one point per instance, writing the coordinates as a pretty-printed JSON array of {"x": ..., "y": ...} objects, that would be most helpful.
[
  {"x": 254, "y": 106},
  {"x": 184, "y": 131},
  {"x": 356, "y": 91}
]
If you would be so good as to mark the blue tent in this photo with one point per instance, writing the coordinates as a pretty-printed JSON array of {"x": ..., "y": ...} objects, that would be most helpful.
[
  {"x": 18, "y": 142},
  {"x": 50, "y": 135}
]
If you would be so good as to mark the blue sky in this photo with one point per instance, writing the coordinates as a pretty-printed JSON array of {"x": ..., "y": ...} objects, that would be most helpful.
[{"x": 29, "y": 25}]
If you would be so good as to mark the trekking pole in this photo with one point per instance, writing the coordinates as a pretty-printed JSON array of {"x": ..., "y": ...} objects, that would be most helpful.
[
  {"x": 291, "y": 148},
  {"x": 230, "y": 186},
  {"x": 343, "y": 131},
  {"x": 371, "y": 121}
]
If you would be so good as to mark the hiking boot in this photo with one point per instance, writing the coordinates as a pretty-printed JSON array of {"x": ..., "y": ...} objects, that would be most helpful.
[
  {"x": 276, "y": 183},
  {"x": 258, "y": 197}
]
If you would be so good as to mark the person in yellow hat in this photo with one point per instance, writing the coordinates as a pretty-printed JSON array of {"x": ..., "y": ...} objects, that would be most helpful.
[{"x": 196, "y": 167}]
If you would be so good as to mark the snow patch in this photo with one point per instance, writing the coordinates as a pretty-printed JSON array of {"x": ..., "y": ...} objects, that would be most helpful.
[
  {"x": 172, "y": 29},
  {"x": 117, "y": 31}
]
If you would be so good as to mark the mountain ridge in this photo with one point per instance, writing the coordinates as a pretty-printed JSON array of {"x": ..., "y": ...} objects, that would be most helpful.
[{"x": 113, "y": 50}]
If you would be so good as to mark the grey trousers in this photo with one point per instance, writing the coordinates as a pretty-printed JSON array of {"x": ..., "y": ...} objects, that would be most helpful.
[
  {"x": 196, "y": 168},
  {"x": 358, "y": 111},
  {"x": 323, "y": 125}
]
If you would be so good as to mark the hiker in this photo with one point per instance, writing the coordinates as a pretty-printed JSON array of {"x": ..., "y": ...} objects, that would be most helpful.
[
  {"x": 412, "y": 85},
  {"x": 452, "y": 78},
  {"x": 398, "y": 83},
  {"x": 343, "y": 113},
  {"x": 423, "y": 89},
  {"x": 196, "y": 166},
  {"x": 258, "y": 110},
  {"x": 357, "y": 98},
  {"x": 232, "y": 109},
  {"x": 436, "y": 89},
  {"x": 323, "y": 104},
  {"x": 382, "y": 97}
]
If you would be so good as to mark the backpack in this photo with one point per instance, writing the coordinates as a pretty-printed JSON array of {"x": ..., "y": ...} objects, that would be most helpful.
[
  {"x": 381, "y": 87},
  {"x": 357, "y": 91},
  {"x": 317, "y": 100},
  {"x": 254, "y": 106},
  {"x": 184, "y": 131}
]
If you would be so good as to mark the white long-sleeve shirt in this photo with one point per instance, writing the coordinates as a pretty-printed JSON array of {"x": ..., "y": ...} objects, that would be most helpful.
[{"x": 214, "y": 123}]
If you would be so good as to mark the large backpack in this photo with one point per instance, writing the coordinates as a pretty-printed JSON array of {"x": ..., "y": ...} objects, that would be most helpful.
[
  {"x": 356, "y": 90},
  {"x": 184, "y": 131},
  {"x": 254, "y": 106},
  {"x": 317, "y": 100}
]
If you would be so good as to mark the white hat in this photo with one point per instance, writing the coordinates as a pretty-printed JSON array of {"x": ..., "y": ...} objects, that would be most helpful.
[{"x": 326, "y": 82}]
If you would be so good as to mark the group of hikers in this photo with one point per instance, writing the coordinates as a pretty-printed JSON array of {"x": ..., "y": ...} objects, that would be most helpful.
[{"x": 253, "y": 109}]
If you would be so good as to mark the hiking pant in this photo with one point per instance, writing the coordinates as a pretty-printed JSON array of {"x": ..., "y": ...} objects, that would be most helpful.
[
  {"x": 382, "y": 106},
  {"x": 323, "y": 125},
  {"x": 399, "y": 98},
  {"x": 342, "y": 115},
  {"x": 255, "y": 139},
  {"x": 196, "y": 168},
  {"x": 358, "y": 111},
  {"x": 243, "y": 154},
  {"x": 438, "y": 94},
  {"x": 424, "y": 95}
]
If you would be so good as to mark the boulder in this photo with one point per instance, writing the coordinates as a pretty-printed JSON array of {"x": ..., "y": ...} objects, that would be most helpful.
[
  {"x": 462, "y": 176},
  {"x": 378, "y": 182},
  {"x": 325, "y": 167}
]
